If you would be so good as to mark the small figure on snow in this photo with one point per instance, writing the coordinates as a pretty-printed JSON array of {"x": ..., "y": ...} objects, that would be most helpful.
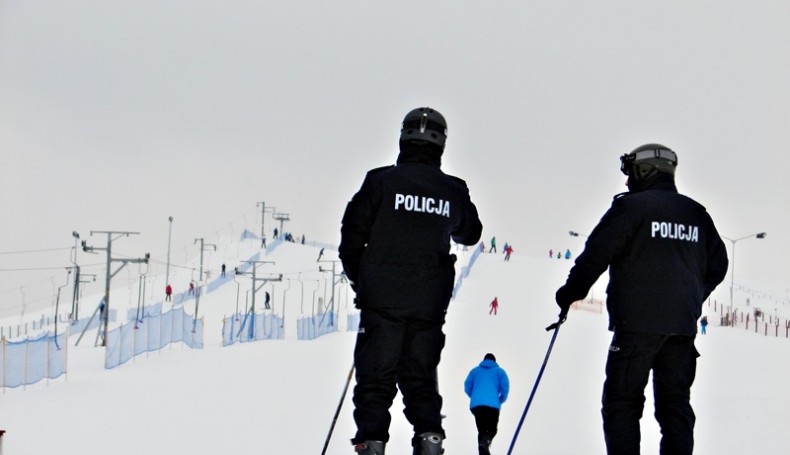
[
  {"x": 494, "y": 305},
  {"x": 223, "y": 271},
  {"x": 567, "y": 254},
  {"x": 508, "y": 252},
  {"x": 703, "y": 323},
  {"x": 168, "y": 293},
  {"x": 487, "y": 386},
  {"x": 493, "y": 245}
]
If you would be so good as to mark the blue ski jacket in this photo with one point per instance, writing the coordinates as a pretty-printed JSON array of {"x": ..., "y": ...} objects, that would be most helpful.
[{"x": 487, "y": 385}]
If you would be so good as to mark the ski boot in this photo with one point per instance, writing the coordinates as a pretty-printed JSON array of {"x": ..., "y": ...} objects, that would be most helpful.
[
  {"x": 483, "y": 444},
  {"x": 370, "y": 448},
  {"x": 427, "y": 444}
]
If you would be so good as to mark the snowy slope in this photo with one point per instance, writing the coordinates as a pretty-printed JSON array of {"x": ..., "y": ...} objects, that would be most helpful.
[{"x": 278, "y": 397}]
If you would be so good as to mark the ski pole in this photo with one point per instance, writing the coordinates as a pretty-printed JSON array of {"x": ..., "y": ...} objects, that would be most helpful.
[
  {"x": 556, "y": 327},
  {"x": 337, "y": 412}
]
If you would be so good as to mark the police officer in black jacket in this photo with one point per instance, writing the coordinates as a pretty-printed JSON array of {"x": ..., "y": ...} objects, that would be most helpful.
[
  {"x": 665, "y": 257},
  {"x": 395, "y": 249}
]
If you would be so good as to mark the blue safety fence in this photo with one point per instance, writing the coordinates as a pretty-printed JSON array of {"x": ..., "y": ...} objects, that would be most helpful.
[
  {"x": 79, "y": 326},
  {"x": 248, "y": 234},
  {"x": 214, "y": 284},
  {"x": 241, "y": 328},
  {"x": 180, "y": 298},
  {"x": 31, "y": 360},
  {"x": 146, "y": 311},
  {"x": 312, "y": 327},
  {"x": 467, "y": 268},
  {"x": 35, "y": 329},
  {"x": 352, "y": 322},
  {"x": 152, "y": 334},
  {"x": 271, "y": 246}
]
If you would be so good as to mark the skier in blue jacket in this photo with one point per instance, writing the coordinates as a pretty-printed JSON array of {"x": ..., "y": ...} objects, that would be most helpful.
[{"x": 487, "y": 386}]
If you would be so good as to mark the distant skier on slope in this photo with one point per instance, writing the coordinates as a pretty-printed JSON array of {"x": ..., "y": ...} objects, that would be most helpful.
[
  {"x": 494, "y": 306},
  {"x": 403, "y": 288},
  {"x": 665, "y": 257},
  {"x": 487, "y": 386},
  {"x": 508, "y": 252}
]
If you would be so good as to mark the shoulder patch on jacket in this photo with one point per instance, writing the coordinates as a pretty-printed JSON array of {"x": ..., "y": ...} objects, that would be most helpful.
[{"x": 619, "y": 195}]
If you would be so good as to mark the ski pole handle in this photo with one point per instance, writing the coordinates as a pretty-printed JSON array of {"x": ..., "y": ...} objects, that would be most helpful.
[{"x": 557, "y": 324}]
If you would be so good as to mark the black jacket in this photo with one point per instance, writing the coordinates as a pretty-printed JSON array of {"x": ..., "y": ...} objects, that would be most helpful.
[
  {"x": 396, "y": 231},
  {"x": 664, "y": 256}
]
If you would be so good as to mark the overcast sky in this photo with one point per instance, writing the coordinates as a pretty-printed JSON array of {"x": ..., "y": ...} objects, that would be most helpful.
[{"x": 115, "y": 115}]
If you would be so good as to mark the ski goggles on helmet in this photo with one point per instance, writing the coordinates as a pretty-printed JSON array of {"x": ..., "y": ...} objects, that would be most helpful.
[{"x": 629, "y": 160}]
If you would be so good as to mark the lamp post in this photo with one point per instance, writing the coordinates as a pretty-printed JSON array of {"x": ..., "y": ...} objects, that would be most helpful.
[
  {"x": 759, "y": 235},
  {"x": 75, "y": 299},
  {"x": 576, "y": 234},
  {"x": 169, "y": 231}
]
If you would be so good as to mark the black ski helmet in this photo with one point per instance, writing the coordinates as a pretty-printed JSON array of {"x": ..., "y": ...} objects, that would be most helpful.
[
  {"x": 647, "y": 160},
  {"x": 424, "y": 124}
]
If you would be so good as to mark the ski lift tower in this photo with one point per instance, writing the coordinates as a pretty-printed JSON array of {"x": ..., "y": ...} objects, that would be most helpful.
[
  {"x": 109, "y": 274},
  {"x": 282, "y": 218},
  {"x": 336, "y": 278},
  {"x": 264, "y": 209},
  {"x": 255, "y": 287}
]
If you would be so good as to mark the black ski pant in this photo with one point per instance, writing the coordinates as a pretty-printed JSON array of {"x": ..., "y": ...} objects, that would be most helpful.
[
  {"x": 487, "y": 420},
  {"x": 397, "y": 348},
  {"x": 673, "y": 361}
]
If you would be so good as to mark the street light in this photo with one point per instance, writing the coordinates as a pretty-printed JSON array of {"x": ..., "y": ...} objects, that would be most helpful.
[
  {"x": 75, "y": 299},
  {"x": 759, "y": 235},
  {"x": 169, "y": 231}
]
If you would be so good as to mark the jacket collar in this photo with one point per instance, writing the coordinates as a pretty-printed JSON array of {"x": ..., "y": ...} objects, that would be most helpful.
[{"x": 427, "y": 153}]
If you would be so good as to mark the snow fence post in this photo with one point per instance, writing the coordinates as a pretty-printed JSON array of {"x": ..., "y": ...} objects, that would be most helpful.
[{"x": 2, "y": 340}]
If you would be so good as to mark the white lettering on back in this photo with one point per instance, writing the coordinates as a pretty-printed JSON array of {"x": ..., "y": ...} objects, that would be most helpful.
[
  {"x": 424, "y": 204},
  {"x": 674, "y": 231}
]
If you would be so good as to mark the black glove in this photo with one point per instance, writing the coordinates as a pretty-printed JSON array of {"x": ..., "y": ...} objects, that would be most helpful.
[{"x": 565, "y": 299}]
